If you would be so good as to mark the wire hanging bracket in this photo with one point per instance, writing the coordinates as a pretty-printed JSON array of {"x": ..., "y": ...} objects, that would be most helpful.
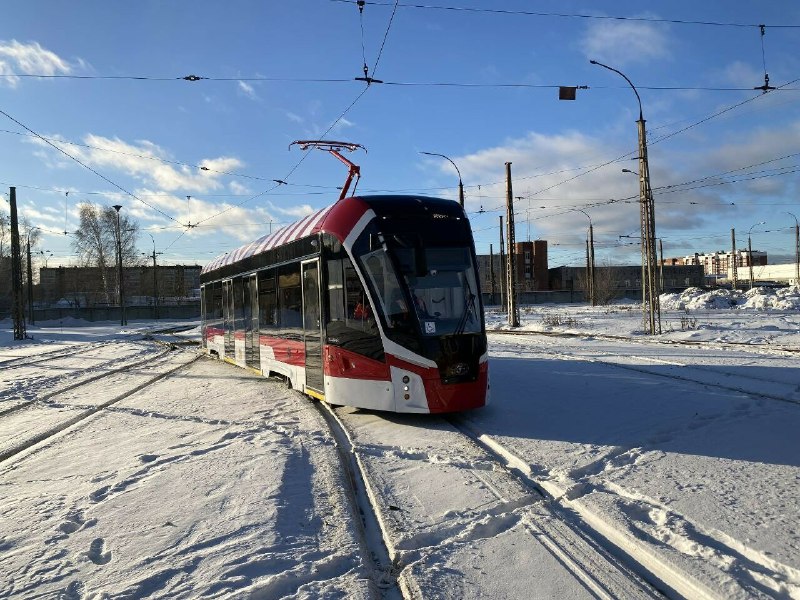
[{"x": 335, "y": 148}]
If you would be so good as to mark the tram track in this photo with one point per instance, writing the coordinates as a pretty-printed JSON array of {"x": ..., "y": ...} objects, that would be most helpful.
[
  {"x": 35, "y": 432},
  {"x": 68, "y": 351},
  {"x": 374, "y": 536},
  {"x": 710, "y": 345},
  {"x": 578, "y": 549},
  {"x": 77, "y": 374},
  {"x": 738, "y": 380},
  {"x": 631, "y": 553}
]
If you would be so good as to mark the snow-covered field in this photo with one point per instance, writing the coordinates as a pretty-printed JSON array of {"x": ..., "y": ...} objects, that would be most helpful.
[{"x": 609, "y": 463}]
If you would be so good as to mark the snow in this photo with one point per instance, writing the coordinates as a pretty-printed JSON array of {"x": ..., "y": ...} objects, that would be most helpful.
[{"x": 678, "y": 464}]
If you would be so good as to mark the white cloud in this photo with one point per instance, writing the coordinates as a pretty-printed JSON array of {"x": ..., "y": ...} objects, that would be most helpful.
[
  {"x": 248, "y": 90},
  {"x": 740, "y": 74},
  {"x": 30, "y": 58},
  {"x": 141, "y": 160},
  {"x": 625, "y": 42},
  {"x": 294, "y": 118}
]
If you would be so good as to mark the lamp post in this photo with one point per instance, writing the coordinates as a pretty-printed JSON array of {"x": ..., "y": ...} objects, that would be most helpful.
[
  {"x": 122, "y": 320},
  {"x": 750, "y": 251},
  {"x": 796, "y": 250},
  {"x": 31, "y": 319},
  {"x": 155, "y": 277},
  {"x": 460, "y": 183},
  {"x": 651, "y": 308},
  {"x": 589, "y": 259}
]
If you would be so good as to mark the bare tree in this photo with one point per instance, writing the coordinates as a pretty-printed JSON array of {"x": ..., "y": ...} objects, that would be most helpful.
[{"x": 95, "y": 242}]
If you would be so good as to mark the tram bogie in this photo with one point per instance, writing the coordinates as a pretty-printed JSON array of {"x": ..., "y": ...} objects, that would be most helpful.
[{"x": 373, "y": 302}]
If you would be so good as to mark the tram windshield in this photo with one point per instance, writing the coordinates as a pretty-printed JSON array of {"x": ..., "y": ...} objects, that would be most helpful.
[{"x": 422, "y": 286}]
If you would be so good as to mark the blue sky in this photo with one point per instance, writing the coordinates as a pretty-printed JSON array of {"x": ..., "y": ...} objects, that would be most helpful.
[{"x": 282, "y": 71}]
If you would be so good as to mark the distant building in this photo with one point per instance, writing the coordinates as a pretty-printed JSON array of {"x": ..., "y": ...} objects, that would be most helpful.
[
  {"x": 718, "y": 263},
  {"x": 531, "y": 267},
  {"x": 91, "y": 286},
  {"x": 624, "y": 281}
]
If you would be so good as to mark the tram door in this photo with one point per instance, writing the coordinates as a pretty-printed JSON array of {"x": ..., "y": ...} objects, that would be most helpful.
[
  {"x": 312, "y": 324},
  {"x": 251, "y": 345},
  {"x": 227, "y": 315}
]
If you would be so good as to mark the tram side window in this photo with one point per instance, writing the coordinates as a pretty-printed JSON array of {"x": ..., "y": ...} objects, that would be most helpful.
[
  {"x": 216, "y": 301},
  {"x": 267, "y": 300},
  {"x": 350, "y": 323},
  {"x": 238, "y": 303},
  {"x": 212, "y": 303},
  {"x": 290, "y": 299}
]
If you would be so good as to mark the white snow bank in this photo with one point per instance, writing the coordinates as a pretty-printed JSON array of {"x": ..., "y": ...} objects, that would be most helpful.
[{"x": 759, "y": 298}]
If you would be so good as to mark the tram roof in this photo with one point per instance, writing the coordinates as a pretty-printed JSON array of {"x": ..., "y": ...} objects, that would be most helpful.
[{"x": 354, "y": 207}]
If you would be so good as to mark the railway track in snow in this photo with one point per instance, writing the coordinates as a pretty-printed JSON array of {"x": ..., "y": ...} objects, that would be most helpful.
[
  {"x": 769, "y": 380},
  {"x": 576, "y": 547},
  {"x": 658, "y": 561},
  {"x": 759, "y": 348},
  {"x": 37, "y": 422},
  {"x": 42, "y": 357},
  {"x": 24, "y": 391},
  {"x": 365, "y": 509}
]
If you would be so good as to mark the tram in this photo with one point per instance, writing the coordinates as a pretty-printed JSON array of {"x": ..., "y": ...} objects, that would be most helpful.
[{"x": 373, "y": 302}]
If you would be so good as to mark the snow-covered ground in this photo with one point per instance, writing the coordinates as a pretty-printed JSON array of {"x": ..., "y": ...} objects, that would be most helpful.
[{"x": 667, "y": 463}]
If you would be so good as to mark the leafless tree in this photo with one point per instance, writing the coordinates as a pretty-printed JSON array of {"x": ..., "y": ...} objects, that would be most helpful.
[{"x": 95, "y": 242}]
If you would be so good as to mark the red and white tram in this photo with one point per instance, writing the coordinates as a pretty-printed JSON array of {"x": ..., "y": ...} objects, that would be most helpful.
[{"x": 372, "y": 302}]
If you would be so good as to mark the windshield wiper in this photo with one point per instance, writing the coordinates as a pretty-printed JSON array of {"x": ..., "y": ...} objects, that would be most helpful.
[{"x": 470, "y": 305}]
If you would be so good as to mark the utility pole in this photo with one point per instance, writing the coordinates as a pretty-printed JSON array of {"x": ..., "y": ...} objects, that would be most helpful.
[
  {"x": 661, "y": 265},
  {"x": 796, "y": 249},
  {"x": 30, "y": 282},
  {"x": 651, "y": 306},
  {"x": 18, "y": 310},
  {"x": 734, "y": 266},
  {"x": 122, "y": 320},
  {"x": 155, "y": 278},
  {"x": 502, "y": 266},
  {"x": 511, "y": 272},
  {"x": 491, "y": 270}
]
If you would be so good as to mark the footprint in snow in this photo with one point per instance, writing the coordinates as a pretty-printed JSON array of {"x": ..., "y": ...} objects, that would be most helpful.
[
  {"x": 99, "y": 494},
  {"x": 96, "y": 552},
  {"x": 74, "y": 591},
  {"x": 74, "y": 522}
]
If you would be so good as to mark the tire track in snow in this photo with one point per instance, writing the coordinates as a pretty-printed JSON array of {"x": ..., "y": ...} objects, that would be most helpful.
[{"x": 648, "y": 526}]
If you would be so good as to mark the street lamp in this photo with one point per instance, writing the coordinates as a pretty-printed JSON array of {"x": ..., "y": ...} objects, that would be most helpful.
[
  {"x": 46, "y": 254},
  {"x": 650, "y": 288},
  {"x": 589, "y": 259},
  {"x": 30, "y": 277},
  {"x": 122, "y": 320},
  {"x": 155, "y": 277},
  {"x": 750, "y": 251},
  {"x": 796, "y": 250},
  {"x": 460, "y": 183}
]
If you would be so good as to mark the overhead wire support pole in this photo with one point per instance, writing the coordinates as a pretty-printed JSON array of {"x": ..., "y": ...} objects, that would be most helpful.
[
  {"x": 511, "y": 270},
  {"x": 334, "y": 148},
  {"x": 651, "y": 307},
  {"x": 18, "y": 310}
]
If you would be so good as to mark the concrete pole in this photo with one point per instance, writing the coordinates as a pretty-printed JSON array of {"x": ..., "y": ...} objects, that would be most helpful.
[
  {"x": 491, "y": 272},
  {"x": 511, "y": 265},
  {"x": 734, "y": 265},
  {"x": 30, "y": 282},
  {"x": 18, "y": 310},
  {"x": 502, "y": 266}
]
